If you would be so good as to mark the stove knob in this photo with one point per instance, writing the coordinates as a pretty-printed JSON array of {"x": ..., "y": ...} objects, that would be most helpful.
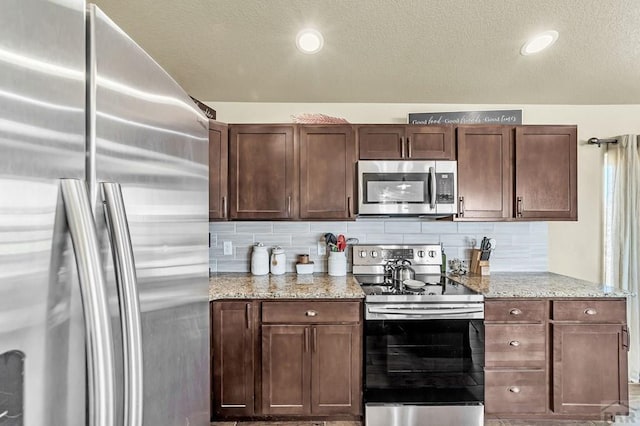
[
  {"x": 374, "y": 254},
  {"x": 432, "y": 253},
  {"x": 363, "y": 253},
  {"x": 421, "y": 253}
]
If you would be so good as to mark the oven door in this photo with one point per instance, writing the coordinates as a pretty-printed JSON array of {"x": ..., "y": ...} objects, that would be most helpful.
[{"x": 429, "y": 362}]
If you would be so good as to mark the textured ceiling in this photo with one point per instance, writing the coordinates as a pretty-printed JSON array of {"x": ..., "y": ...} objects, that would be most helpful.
[{"x": 422, "y": 51}]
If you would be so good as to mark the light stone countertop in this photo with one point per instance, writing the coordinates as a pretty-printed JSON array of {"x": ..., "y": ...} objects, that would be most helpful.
[
  {"x": 535, "y": 284},
  {"x": 243, "y": 285}
]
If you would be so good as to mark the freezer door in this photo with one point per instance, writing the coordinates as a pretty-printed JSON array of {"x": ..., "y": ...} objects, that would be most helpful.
[
  {"x": 42, "y": 134},
  {"x": 149, "y": 137}
]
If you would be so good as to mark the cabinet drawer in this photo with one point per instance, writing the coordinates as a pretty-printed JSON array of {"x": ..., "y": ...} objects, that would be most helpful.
[
  {"x": 514, "y": 345},
  {"x": 310, "y": 312},
  {"x": 514, "y": 310},
  {"x": 595, "y": 311},
  {"x": 515, "y": 391}
]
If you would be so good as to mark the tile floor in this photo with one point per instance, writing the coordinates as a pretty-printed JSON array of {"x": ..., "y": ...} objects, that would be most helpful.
[{"x": 632, "y": 419}]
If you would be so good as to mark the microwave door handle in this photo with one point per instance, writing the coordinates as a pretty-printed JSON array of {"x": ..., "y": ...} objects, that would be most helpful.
[{"x": 432, "y": 180}]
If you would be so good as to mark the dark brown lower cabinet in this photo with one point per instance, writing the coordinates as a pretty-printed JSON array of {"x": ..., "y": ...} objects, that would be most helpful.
[
  {"x": 309, "y": 354},
  {"x": 233, "y": 327},
  {"x": 311, "y": 370},
  {"x": 286, "y": 373},
  {"x": 336, "y": 369},
  {"x": 556, "y": 359},
  {"x": 590, "y": 369}
]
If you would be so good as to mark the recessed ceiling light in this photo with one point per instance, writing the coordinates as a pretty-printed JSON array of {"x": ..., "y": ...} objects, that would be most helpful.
[
  {"x": 309, "y": 41},
  {"x": 539, "y": 42}
]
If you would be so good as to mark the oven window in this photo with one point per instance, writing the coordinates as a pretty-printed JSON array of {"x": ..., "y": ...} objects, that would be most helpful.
[
  {"x": 431, "y": 361},
  {"x": 390, "y": 188}
]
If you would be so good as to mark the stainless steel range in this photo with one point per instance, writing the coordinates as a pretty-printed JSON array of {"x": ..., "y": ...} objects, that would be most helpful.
[{"x": 424, "y": 339}]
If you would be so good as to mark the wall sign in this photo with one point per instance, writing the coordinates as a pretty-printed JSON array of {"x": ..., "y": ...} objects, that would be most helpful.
[{"x": 509, "y": 116}]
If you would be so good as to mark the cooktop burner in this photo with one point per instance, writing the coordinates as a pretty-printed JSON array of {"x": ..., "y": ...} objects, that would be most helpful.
[{"x": 437, "y": 287}]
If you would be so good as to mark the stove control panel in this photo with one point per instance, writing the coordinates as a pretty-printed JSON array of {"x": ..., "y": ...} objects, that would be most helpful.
[{"x": 372, "y": 258}]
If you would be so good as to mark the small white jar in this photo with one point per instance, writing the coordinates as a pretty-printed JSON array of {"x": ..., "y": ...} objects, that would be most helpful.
[
  {"x": 259, "y": 260},
  {"x": 278, "y": 261},
  {"x": 337, "y": 264}
]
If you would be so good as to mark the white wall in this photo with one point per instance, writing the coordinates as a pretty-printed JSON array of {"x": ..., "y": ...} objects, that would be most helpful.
[{"x": 575, "y": 248}]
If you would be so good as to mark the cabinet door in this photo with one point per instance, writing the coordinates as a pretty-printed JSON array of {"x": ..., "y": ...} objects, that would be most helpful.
[
  {"x": 545, "y": 172},
  {"x": 381, "y": 142},
  {"x": 484, "y": 172},
  {"x": 327, "y": 168},
  {"x": 286, "y": 378},
  {"x": 218, "y": 163},
  {"x": 232, "y": 352},
  {"x": 430, "y": 143},
  {"x": 262, "y": 172},
  {"x": 589, "y": 368},
  {"x": 336, "y": 366}
]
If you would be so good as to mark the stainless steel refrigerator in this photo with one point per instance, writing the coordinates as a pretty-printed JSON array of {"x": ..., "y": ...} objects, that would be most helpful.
[{"x": 103, "y": 227}]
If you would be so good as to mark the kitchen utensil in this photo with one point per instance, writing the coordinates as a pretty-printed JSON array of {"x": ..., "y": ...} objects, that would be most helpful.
[
  {"x": 278, "y": 261},
  {"x": 483, "y": 243},
  {"x": 352, "y": 241},
  {"x": 330, "y": 238},
  {"x": 259, "y": 260},
  {"x": 342, "y": 243},
  {"x": 413, "y": 283},
  {"x": 402, "y": 271}
]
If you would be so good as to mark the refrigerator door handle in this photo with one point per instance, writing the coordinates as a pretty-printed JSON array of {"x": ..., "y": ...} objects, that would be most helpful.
[
  {"x": 100, "y": 352},
  {"x": 125, "y": 272}
]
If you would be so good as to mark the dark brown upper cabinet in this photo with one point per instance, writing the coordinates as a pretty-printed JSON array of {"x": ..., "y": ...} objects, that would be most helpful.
[
  {"x": 218, "y": 170},
  {"x": 546, "y": 173},
  {"x": 405, "y": 142},
  {"x": 327, "y": 171},
  {"x": 262, "y": 171},
  {"x": 484, "y": 172}
]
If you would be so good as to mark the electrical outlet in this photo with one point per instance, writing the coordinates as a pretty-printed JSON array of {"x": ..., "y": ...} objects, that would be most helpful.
[
  {"x": 228, "y": 248},
  {"x": 322, "y": 248}
]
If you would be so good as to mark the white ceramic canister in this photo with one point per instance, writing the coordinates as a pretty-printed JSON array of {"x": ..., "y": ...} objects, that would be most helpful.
[
  {"x": 337, "y": 264},
  {"x": 259, "y": 260},
  {"x": 278, "y": 261}
]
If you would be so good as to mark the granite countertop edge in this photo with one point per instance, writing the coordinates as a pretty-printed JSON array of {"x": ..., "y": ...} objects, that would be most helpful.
[
  {"x": 536, "y": 285},
  {"x": 234, "y": 285},
  {"x": 243, "y": 285}
]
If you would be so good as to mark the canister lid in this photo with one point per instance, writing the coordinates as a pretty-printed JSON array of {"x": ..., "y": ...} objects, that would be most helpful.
[{"x": 277, "y": 250}]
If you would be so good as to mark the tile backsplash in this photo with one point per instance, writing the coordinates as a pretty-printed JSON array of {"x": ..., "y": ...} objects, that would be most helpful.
[{"x": 521, "y": 246}]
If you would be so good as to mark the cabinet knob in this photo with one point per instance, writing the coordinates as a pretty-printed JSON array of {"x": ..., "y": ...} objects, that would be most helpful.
[
  {"x": 311, "y": 313},
  {"x": 515, "y": 311},
  {"x": 514, "y": 343},
  {"x": 514, "y": 389},
  {"x": 590, "y": 311}
]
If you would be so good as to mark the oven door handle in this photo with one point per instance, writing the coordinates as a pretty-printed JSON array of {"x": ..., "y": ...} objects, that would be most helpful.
[{"x": 410, "y": 311}]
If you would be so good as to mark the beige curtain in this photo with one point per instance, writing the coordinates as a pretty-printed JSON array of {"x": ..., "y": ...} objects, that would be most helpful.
[{"x": 622, "y": 233}]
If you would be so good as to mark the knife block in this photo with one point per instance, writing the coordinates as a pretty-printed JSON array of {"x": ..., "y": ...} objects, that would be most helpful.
[{"x": 479, "y": 266}]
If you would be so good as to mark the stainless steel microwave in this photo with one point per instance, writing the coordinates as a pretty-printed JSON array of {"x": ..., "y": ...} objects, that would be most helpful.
[{"x": 407, "y": 188}]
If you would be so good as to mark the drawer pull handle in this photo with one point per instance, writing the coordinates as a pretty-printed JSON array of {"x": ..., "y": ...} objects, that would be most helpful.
[
  {"x": 311, "y": 313},
  {"x": 515, "y": 311},
  {"x": 514, "y": 389},
  {"x": 514, "y": 343},
  {"x": 590, "y": 311}
]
